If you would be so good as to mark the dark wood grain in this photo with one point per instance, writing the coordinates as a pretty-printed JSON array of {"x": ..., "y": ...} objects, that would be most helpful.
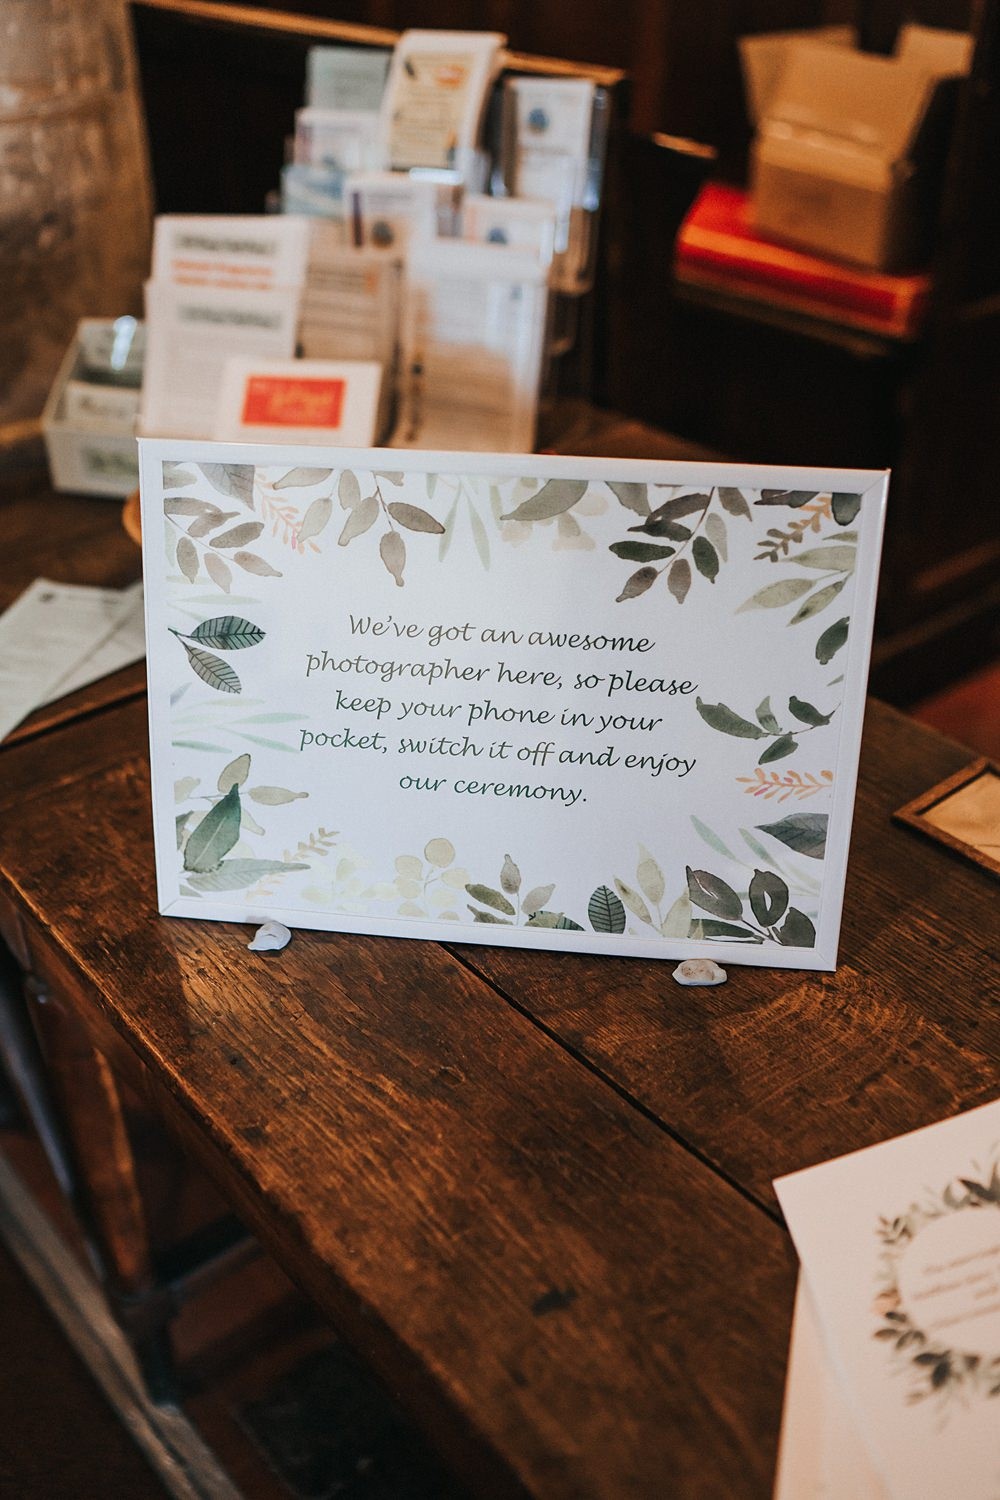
[
  {"x": 774, "y": 1071},
  {"x": 538, "y": 1270}
]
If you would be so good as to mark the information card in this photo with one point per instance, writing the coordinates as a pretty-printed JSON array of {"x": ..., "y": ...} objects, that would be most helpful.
[{"x": 600, "y": 705}]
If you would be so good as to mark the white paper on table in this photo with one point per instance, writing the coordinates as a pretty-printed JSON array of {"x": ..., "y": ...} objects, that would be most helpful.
[
  {"x": 126, "y": 643},
  {"x": 473, "y": 332},
  {"x": 191, "y": 332},
  {"x": 252, "y": 252},
  {"x": 45, "y": 635},
  {"x": 100, "y": 408},
  {"x": 436, "y": 94},
  {"x": 550, "y": 134},
  {"x": 904, "y": 1274},
  {"x": 822, "y": 1456},
  {"x": 350, "y": 306},
  {"x": 299, "y": 400}
]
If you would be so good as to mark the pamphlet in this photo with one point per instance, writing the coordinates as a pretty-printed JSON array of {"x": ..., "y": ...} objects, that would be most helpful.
[
  {"x": 904, "y": 1279},
  {"x": 233, "y": 252},
  {"x": 436, "y": 95},
  {"x": 347, "y": 77},
  {"x": 191, "y": 332},
  {"x": 525, "y": 224},
  {"x": 473, "y": 331},
  {"x": 300, "y": 401},
  {"x": 344, "y": 138}
]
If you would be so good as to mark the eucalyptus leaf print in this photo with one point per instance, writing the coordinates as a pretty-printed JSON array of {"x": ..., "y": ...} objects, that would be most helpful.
[
  {"x": 223, "y": 633},
  {"x": 682, "y": 536},
  {"x": 771, "y": 917},
  {"x": 783, "y": 740},
  {"x": 554, "y": 497},
  {"x": 213, "y": 858}
]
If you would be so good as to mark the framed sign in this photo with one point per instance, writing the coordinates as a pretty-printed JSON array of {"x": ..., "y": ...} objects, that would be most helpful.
[{"x": 598, "y": 705}]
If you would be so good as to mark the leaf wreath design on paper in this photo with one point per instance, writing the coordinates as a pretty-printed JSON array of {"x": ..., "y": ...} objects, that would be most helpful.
[
  {"x": 209, "y": 842},
  {"x": 933, "y": 1368},
  {"x": 783, "y": 741},
  {"x": 681, "y": 530},
  {"x": 771, "y": 916}
]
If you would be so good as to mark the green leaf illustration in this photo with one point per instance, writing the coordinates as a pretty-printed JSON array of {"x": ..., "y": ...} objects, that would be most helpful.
[
  {"x": 238, "y": 536},
  {"x": 315, "y": 519},
  {"x": 712, "y": 894},
  {"x": 554, "y": 497},
  {"x": 711, "y": 838},
  {"x": 213, "y": 670},
  {"x": 215, "y": 835},
  {"x": 251, "y": 563},
  {"x": 845, "y": 507},
  {"x": 641, "y": 551},
  {"x": 548, "y": 919},
  {"x": 720, "y": 716},
  {"x": 488, "y": 916},
  {"x": 838, "y": 558},
  {"x": 803, "y": 832},
  {"x": 663, "y": 526},
  {"x": 227, "y": 633},
  {"x": 634, "y": 497},
  {"x": 392, "y": 476},
  {"x": 413, "y": 518},
  {"x": 440, "y": 853},
  {"x": 180, "y": 824},
  {"x": 566, "y": 924},
  {"x": 510, "y": 876},
  {"x": 209, "y": 520},
  {"x": 362, "y": 517},
  {"x": 633, "y": 901},
  {"x": 797, "y": 931},
  {"x": 706, "y": 928},
  {"x": 768, "y": 897},
  {"x": 706, "y": 559},
  {"x": 766, "y": 719},
  {"x": 793, "y": 498},
  {"x": 536, "y": 899},
  {"x": 176, "y": 477},
  {"x": 274, "y": 796},
  {"x": 680, "y": 506},
  {"x": 348, "y": 490},
  {"x": 831, "y": 640},
  {"x": 677, "y": 922},
  {"x": 778, "y": 749},
  {"x": 187, "y": 506},
  {"x": 480, "y": 537},
  {"x": 235, "y": 774},
  {"x": 490, "y": 897},
  {"x": 715, "y": 530},
  {"x": 775, "y": 595},
  {"x": 640, "y": 581},
  {"x": 296, "y": 478},
  {"x": 187, "y": 558},
  {"x": 218, "y": 571},
  {"x": 650, "y": 877},
  {"x": 392, "y": 550},
  {"x": 734, "y": 502},
  {"x": 679, "y": 579},
  {"x": 806, "y": 713},
  {"x": 818, "y": 601},
  {"x": 235, "y": 481},
  {"x": 605, "y": 912},
  {"x": 237, "y": 874}
]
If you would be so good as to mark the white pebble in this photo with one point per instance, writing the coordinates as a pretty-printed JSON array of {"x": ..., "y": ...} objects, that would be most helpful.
[
  {"x": 269, "y": 938},
  {"x": 699, "y": 971}
]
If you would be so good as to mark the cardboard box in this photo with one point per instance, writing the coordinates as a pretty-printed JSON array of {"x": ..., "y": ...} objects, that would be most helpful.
[
  {"x": 96, "y": 457},
  {"x": 849, "y": 145}
]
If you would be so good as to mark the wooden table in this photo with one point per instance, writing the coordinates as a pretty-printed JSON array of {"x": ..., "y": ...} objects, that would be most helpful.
[{"x": 532, "y": 1189}]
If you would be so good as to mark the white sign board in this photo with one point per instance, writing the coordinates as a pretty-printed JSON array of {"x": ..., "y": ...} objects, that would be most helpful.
[{"x": 601, "y": 705}]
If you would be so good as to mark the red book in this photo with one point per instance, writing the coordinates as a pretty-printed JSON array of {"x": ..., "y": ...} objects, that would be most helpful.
[{"x": 717, "y": 248}]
